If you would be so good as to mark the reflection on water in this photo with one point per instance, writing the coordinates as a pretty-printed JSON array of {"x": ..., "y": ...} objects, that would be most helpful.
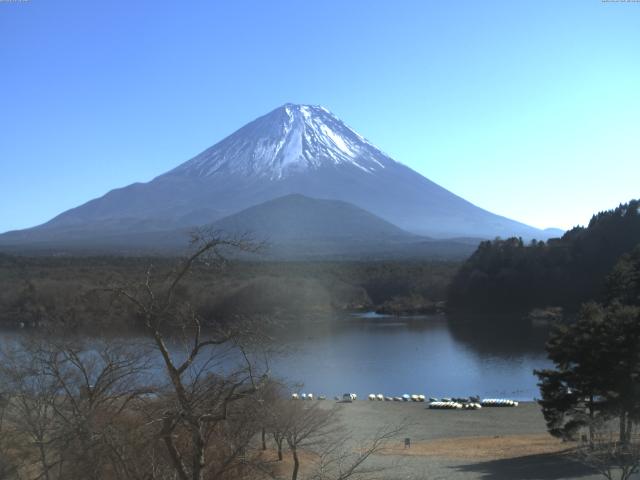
[
  {"x": 379, "y": 354},
  {"x": 372, "y": 353}
]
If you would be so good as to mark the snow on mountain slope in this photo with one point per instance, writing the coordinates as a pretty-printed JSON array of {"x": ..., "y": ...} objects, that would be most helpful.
[
  {"x": 289, "y": 140},
  {"x": 295, "y": 149}
]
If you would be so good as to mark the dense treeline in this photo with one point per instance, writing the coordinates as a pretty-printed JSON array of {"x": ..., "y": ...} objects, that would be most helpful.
[
  {"x": 36, "y": 290},
  {"x": 513, "y": 276},
  {"x": 593, "y": 391}
]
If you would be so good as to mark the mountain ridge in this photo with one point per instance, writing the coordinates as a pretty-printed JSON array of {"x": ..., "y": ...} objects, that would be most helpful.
[
  {"x": 292, "y": 227},
  {"x": 294, "y": 149},
  {"x": 295, "y": 217}
]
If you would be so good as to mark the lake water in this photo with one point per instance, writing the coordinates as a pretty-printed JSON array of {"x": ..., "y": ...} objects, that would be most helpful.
[
  {"x": 370, "y": 353},
  {"x": 430, "y": 355}
]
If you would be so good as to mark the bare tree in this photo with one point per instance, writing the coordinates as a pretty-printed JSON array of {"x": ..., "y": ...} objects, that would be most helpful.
[
  {"x": 277, "y": 422},
  {"x": 63, "y": 400},
  {"x": 202, "y": 391},
  {"x": 8, "y": 467},
  {"x": 309, "y": 426},
  {"x": 268, "y": 408},
  {"x": 317, "y": 430},
  {"x": 96, "y": 387},
  {"x": 31, "y": 414},
  {"x": 605, "y": 453},
  {"x": 343, "y": 458}
]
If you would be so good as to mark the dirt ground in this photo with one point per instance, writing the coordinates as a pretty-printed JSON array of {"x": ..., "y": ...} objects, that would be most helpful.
[
  {"x": 488, "y": 444},
  {"x": 483, "y": 448}
]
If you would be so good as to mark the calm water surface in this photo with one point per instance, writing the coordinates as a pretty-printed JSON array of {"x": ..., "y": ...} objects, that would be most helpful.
[
  {"x": 369, "y": 353},
  {"x": 430, "y": 355}
]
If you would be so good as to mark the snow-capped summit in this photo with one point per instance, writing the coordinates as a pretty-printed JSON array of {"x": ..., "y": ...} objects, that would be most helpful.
[
  {"x": 292, "y": 138},
  {"x": 293, "y": 150}
]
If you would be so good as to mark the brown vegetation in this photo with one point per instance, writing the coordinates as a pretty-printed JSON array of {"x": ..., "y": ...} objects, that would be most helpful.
[
  {"x": 38, "y": 291},
  {"x": 111, "y": 410}
]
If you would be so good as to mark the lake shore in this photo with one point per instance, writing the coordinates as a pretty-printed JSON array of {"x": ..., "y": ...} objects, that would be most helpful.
[{"x": 491, "y": 443}]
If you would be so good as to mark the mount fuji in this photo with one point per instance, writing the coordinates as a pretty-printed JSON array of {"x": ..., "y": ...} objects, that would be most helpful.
[{"x": 295, "y": 149}]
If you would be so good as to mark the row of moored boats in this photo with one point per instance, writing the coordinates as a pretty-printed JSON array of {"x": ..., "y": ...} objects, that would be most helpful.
[
  {"x": 473, "y": 403},
  {"x": 445, "y": 403},
  {"x": 403, "y": 398}
]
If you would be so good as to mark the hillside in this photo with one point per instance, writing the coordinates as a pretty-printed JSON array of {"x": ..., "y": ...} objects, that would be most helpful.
[
  {"x": 510, "y": 275},
  {"x": 296, "y": 218},
  {"x": 295, "y": 149}
]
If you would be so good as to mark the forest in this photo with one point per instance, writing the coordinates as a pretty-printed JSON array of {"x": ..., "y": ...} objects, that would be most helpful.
[
  {"x": 502, "y": 275},
  {"x": 514, "y": 276},
  {"x": 37, "y": 291}
]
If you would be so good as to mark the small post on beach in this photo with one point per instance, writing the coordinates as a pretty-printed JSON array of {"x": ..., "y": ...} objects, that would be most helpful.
[{"x": 407, "y": 442}]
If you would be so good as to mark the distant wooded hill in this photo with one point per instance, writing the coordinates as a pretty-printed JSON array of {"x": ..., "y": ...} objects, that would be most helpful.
[
  {"x": 291, "y": 227},
  {"x": 509, "y": 275}
]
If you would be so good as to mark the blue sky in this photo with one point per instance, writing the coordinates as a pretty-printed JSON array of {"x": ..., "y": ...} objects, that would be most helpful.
[{"x": 528, "y": 109}]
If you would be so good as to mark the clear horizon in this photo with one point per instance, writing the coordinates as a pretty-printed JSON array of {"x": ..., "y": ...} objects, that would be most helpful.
[{"x": 528, "y": 111}]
